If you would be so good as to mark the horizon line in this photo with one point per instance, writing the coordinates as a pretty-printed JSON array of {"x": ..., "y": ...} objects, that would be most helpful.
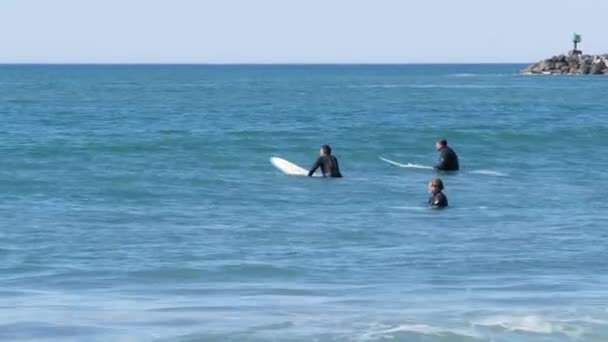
[{"x": 260, "y": 63}]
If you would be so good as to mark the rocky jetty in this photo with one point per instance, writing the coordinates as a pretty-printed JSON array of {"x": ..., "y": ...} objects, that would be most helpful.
[{"x": 571, "y": 64}]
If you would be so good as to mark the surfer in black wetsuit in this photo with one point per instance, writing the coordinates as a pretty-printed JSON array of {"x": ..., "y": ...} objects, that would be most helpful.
[
  {"x": 437, "y": 199},
  {"x": 448, "y": 160},
  {"x": 327, "y": 163}
]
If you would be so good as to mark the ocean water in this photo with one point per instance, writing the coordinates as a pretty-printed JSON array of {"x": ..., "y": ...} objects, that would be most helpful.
[{"x": 138, "y": 204}]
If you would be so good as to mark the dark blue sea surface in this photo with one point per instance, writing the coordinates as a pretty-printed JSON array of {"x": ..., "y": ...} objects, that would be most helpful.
[{"x": 138, "y": 203}]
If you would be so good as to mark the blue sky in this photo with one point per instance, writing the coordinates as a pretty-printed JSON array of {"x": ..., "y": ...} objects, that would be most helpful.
[{"x": 312, "y": 31}]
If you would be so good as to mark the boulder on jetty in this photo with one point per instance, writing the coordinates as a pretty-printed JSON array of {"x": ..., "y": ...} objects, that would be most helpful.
[{"x": 571, "y": 64}]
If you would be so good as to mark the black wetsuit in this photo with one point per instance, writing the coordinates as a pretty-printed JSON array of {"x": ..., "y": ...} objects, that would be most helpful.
[
  {"x": 448, "y": 160},
  {"x": 329, "y": 166},
  {"x": 438, "y": 200}
]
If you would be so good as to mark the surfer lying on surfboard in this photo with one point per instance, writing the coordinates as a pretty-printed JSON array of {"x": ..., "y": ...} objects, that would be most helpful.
[{"x": 327, "y": 163}]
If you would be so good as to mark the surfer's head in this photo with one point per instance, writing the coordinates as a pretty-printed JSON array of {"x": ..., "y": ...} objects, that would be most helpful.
[
  {"x": 325, "y": 150},
  {"x": 435, "y": 186},
  {"x": 441, "y": 143}
]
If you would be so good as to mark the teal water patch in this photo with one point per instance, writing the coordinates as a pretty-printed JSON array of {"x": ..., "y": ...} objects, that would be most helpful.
[{"x": 139, "y": 203}]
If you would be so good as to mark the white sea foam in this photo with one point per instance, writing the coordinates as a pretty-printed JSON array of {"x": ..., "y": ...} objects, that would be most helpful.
[
  {"x": 510, "y": 323},
  {"x": 529, "y": 323},
  {"x": 385, "y": 331}
]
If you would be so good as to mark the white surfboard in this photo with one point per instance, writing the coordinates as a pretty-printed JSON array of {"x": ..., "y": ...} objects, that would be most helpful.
[
  {"x": 408, "y": 165},
  {"x": 416, "y": 166},
  {"x": 289, "y": 168},
  {"x": 489, "y": 173}
]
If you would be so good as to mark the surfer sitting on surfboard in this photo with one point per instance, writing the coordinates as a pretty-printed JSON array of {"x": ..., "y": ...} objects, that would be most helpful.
[
  {"x": 327, "y": 162},
  {"x": 438, "y": 199},
  {"x": 448, "y": 160}
]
